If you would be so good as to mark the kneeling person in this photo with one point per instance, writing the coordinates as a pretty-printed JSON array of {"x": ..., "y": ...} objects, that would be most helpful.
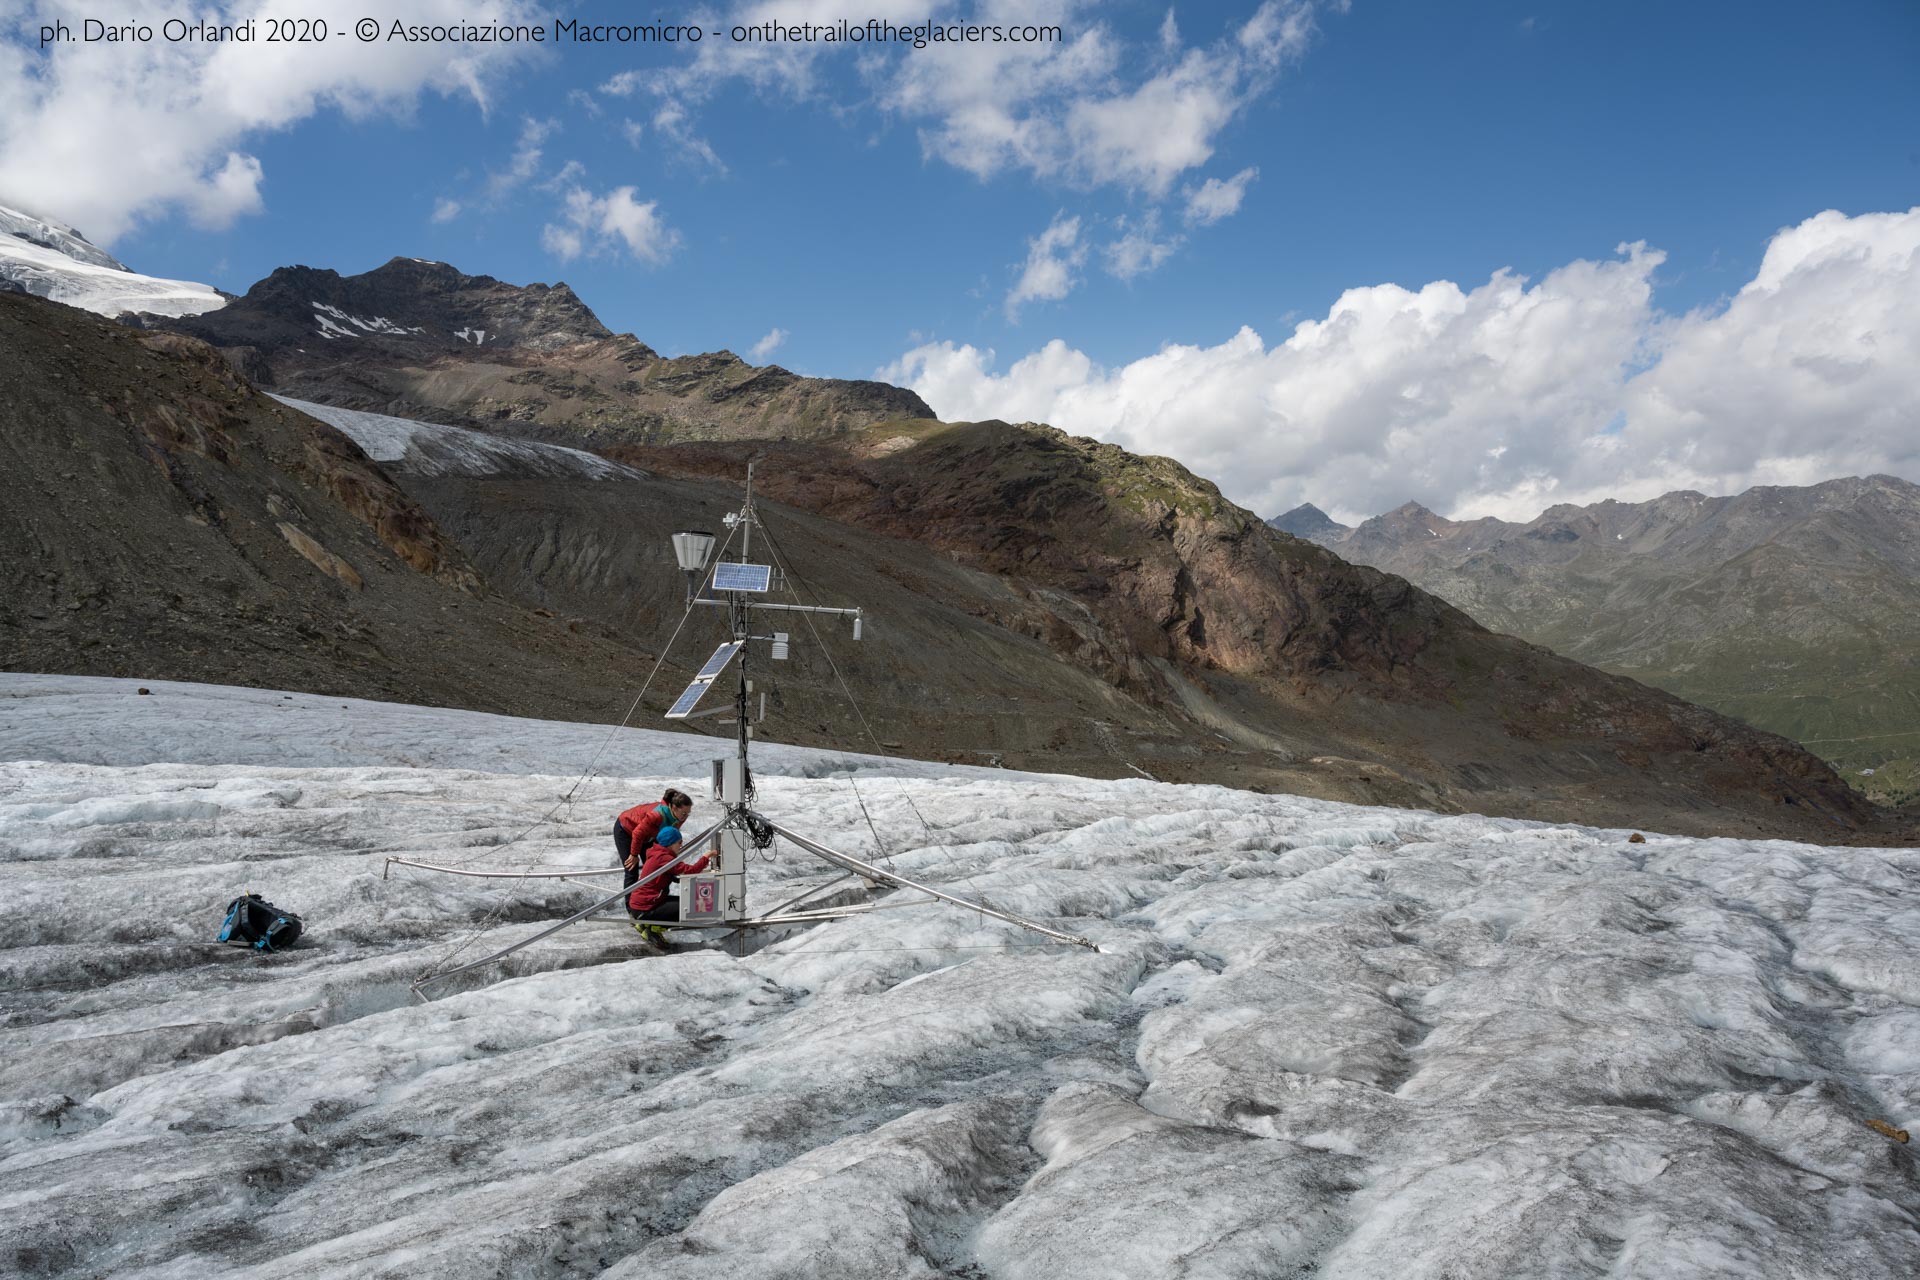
[{"x": 650, "y": 904}]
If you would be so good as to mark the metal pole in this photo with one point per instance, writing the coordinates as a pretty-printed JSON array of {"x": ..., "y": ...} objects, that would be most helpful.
[
  {"x": 686, "y": 847},
  {"x": 393, "y": 860},
  {"x": 502, "y": 875},
  {"x": 871, "y": 872},
  {"x": 746, "y": 518}
]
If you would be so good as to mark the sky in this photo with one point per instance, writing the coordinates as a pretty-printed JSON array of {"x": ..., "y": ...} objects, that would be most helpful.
[{"x": 1486, "y": 257}]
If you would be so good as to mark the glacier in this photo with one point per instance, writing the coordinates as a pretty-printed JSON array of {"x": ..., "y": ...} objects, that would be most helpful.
[
  {"x": 430, "y": 449},
  {"x": 54, "y": 261},
  {"x": 1316, "y": 1039}
]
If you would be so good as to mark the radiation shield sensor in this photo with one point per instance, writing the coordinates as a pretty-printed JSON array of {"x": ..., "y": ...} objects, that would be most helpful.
[{"x": 692, "y": 548}]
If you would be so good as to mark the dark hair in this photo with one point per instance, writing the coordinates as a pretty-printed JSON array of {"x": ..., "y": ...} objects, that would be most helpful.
[{"x": 675, "y": 798}]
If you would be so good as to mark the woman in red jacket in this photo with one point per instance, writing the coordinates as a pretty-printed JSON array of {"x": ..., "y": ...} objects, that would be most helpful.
[
  {"x": 650, "y": 902},
  {"x": 636, "y": 829}
]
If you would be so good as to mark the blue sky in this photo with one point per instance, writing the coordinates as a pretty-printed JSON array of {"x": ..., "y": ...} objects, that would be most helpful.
[
  {"x": 837, "y": 197},
  {"x": 1409, "y": 142}
]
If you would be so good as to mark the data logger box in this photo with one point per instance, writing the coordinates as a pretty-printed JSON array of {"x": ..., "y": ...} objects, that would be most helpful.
[{"x": 702, "y": 899}]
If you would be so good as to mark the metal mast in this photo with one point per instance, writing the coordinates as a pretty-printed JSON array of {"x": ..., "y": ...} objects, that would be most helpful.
[{"x": 719, "y": 897}]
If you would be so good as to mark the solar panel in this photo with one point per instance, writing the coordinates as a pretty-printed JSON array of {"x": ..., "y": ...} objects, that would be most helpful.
[
  {"x": 721, "y": 657},
  {"x": 685, "y": 703},
  {"x": 728, "y": 576}
]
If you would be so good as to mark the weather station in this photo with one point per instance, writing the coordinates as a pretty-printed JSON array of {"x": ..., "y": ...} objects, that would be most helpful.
[{"x": 720, "y": 898}]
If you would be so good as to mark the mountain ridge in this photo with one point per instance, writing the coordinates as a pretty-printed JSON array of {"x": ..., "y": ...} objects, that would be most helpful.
[
  {"x": 1792, "y": 607},
  {"x": 1146, "y": 623},
  {"x": 419, "y": 339}
]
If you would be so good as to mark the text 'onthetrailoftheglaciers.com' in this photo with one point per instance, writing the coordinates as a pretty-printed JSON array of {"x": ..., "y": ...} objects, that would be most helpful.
[{"x": 563, "y": 31}]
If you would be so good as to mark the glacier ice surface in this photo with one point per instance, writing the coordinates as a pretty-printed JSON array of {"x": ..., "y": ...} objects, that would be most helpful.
[{"x": 1317, "y": 1039}]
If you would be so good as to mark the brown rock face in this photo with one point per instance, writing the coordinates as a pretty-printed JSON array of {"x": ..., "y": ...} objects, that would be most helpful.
[
  {"x": 1141, "y": 571},
  {"x": 144, "y": 518},
  {"x": 423, "y": 340}
]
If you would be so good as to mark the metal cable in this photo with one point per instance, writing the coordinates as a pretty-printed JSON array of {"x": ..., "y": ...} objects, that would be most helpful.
[
  {"x": 500, "y": 899},
  {"x": 859, "y": 714}
]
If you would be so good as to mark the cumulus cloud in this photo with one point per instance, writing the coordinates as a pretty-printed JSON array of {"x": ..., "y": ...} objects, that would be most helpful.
[
  {"x": 1513, "y": 395},
  {"x": 445, "y": 210},
  {"x": 104, "y": 135},
  {"x": 775, "y": 338},
  {"x": 1052, "y": 258},
  {"x": 1213, "y": 199},
  {"x": 591, "y": 224}
]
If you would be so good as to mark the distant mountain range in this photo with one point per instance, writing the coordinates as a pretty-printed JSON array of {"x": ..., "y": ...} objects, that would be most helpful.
[
  {"x": 1036, "y": 599},
  {"x": 1795, "y": 608}
]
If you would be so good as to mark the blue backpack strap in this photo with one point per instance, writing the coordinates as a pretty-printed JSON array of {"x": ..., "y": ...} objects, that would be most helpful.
[{"x": 233, "y": 915}]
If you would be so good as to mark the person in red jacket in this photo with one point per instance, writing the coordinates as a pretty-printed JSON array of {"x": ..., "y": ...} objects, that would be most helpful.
[
  {"x": 635, "y": 830},
  {"x": 650, "y": 901}
]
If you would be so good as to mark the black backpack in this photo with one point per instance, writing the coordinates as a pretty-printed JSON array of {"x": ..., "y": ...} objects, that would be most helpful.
[{"x": 254, "y": 922}]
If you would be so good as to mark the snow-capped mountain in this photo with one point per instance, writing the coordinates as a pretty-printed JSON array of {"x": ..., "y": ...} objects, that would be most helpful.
[
  {"x": 53, "y": 260},
  {"x": 1358, "y": 1043}
]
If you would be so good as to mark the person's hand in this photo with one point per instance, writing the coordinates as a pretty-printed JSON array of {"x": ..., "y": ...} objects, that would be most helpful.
[{"x": 629, "y": 863}]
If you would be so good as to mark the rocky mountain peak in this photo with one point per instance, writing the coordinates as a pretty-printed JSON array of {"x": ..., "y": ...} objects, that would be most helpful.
[
  {"x": 1407, "y": 519},
  {"x": 1310, "y": 522},
  {"x": 413, "y": 302},
  {"x": 416, "y": 338}
]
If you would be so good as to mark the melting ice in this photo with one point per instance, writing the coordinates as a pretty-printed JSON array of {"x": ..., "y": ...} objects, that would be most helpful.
[{"x": 1317, "y": 1038}]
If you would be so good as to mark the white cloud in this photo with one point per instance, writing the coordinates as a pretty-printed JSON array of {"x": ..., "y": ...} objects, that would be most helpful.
[
  {"x": 1213, "y": 199},
  {"x": 564, "y": 243},
  {"x": 1511, "y": 396},
  {"x": 526, "y": 157},
  {"x": 1815, "y": 361},
  {"x": 673, "y": 123},
  {"x": 633, "y": 131},
  {"x": 1052, "y": 257},
  {"x": 570, "y": 174},
  {"x": 775, "y": 338},
  {"x": 228, "y": 192},
  {"x": 605, "y": 224},
  {"x": 1086, "y": 109},
  {"x": 1139, "y": 248},
  {"x": 1068, "y": 111},
  {"x": 105, "y": 135},
  {"x": 445, "y": 210}
]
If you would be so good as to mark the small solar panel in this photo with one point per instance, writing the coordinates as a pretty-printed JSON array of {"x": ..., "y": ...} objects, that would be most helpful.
[
  {"x": 728, "y": 576},
  {"x": 686, "y": 701},
  {"x": 721, "y": 657}
]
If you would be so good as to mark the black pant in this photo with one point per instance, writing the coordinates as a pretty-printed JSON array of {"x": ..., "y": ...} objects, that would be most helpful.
[
  {"x": 665, "y": 911},
  {"x": 623, "y": 845}
]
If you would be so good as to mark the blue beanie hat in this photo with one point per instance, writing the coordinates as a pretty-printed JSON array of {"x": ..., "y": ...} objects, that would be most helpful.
[{"x": 668, "y": 837}]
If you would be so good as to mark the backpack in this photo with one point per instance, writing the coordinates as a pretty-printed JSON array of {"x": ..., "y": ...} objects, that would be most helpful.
[{"x": 254, "y": 922}]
